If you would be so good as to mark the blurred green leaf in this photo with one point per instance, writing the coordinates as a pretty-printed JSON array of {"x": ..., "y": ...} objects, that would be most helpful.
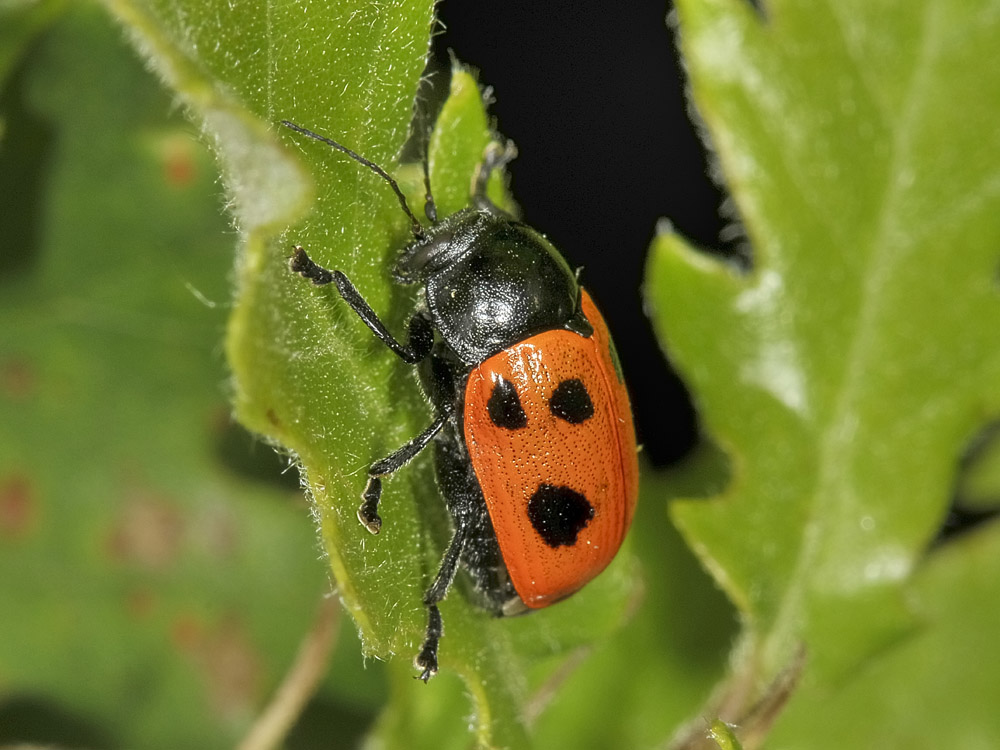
[
  {"x": 846, "y": 373},
  {"x": 147, "y": 544},
  {"x": 22, "y": 23},
  {"x": 979, "y": 483}
]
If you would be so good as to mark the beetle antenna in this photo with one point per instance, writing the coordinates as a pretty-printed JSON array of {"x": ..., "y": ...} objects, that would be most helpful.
[
  {"x": 430, "y": 207},
  {"x": 421, "y": 130},
  {"x": 417, "y": 227}
]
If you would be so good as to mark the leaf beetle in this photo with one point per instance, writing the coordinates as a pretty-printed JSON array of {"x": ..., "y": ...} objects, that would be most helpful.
[{"x": 535, "y": 450}]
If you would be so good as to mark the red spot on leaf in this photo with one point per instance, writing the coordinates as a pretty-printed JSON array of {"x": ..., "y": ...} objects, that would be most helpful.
[
  {"x": 227, "y": 661},
  {"x": 18, "y": 507},
  {"x": 219, "y": 533},
  {"x": 179, "y": 165},
  {"x": 219, "y": 421},
  {"x": 233, "y": 669},
  {"x": 17, "y": 379},
  {"x": 140, "y": 603},
  {"x": 187, "y": 634},
  {"x": 148, "y": 533}
]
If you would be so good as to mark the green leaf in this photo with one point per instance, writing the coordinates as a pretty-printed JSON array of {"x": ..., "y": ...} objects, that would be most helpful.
[
  {"x": 456, "y": 148},
  {"x": 724, "y": 736},
  {"x": 308, "y": 375},
  {"x": 938, "y": 688},
  {"x": 146, "y": 543},
  {"x": 382, "y": 580},
  {"x": 846, "y": 372}
]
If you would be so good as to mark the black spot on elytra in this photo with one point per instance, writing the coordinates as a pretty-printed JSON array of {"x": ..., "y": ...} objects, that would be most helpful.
[
  {"x": 559, "y": 514},
  {"x": 504, "y": 406},
  {"x": 570, "y": 401}
]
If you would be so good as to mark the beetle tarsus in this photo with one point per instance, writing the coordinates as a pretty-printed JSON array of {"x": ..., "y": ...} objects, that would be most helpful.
[
  {"x": 426, "y": 660},
  {"x": 495, "y": 156},
  {"x": 302, "y": 264},
  {"x": 368, "y": 512}
]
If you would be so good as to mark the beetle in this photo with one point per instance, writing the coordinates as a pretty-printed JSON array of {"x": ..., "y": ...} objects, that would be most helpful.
[{"x": 535, "y": 449}]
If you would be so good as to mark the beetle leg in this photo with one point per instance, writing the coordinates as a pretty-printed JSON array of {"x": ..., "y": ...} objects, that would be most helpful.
[
  {"x": 426, "y": 660},
  {"x": 420, "y": 337},
  {"x": 368, "y": 512},
  {"x": 495, "y": 156}
]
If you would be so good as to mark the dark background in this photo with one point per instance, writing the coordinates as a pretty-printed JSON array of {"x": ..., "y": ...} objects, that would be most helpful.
[{"x": 595, "y": 100}]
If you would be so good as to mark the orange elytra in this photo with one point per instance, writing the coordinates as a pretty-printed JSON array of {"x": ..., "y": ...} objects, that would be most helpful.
[{"x": 561, "y": 483}]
